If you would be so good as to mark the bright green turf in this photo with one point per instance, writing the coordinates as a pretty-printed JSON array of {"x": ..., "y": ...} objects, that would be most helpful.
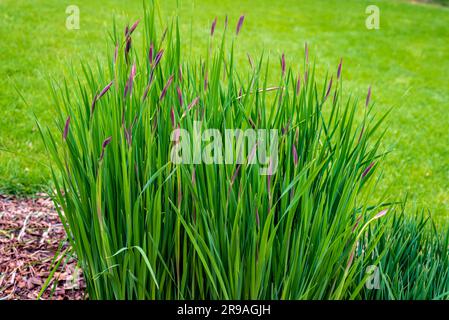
[{"x": 406, "y": 61}]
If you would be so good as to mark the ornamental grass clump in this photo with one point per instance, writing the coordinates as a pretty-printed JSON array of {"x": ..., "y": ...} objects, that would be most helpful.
[
  {"x": 143, "y": 226},
  {"x": 414, "y": 262}
]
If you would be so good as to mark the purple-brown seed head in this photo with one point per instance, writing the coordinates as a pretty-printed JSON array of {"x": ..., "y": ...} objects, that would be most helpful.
[
  {"x": 252, "y": 154},
  {"x": 368, "y": 97},
  {"x": 105, "y": 89},
  {"x": 328, "y": 89},
  {"x": 250, "y": 60},
  {"x": 129, "y": 84},
  {"x": 133, "y": 71},
  {"x": 295, "y": 155},
  {"x": 116, "y": 53},
  {"x": 283, "y": 64},
  {"x": 133, "y": 27},
  {"x": 361, "y": 133},
  {"x": 167, "y": 85},
  {"x": 145, "y": 93},
  {"x": 66, "y": 128},
  {"x": 178, "y": 90},
  {"x": 339, "y": 68},
  {"x": 150, "y": 53},
  {"x": 381, "y": 214},
  {"x": 94, "y": 102},
  {"x": 236, "y": 172},
  {"x": 104, "y": 145},
  {"x": 127, "y": 47},
  {"x": 164, "y": 35},
  {"x": 351, "y": 258},
  {"x": 158, "y": 57},
  {"x": 150, "y": 81},
  {"x": 193, "y": 176},
  {"x": 106, "y": 142},
  {"x": 356, "y": 224},
  {"x": 206, "y": 81},
  {"x": 257, "y": 217},
  {"x": 177, "y": 134},
  {"x": 239, "y": 24},
  {"x": 367, "y": 170},
  {"x": 193, "y": 103},
  {"x": 298, "y": 84},
  {"x": 212, "y": 28},
  {"x": 172, "y": 117},
  {"x": 128, "y": 135}
]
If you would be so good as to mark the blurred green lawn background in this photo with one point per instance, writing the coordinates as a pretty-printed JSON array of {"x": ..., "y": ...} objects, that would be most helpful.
[{"x": 406, "y": 61}]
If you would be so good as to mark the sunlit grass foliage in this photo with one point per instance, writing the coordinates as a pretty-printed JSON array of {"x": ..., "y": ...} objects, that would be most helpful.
[{"x": 143, "y": 227}]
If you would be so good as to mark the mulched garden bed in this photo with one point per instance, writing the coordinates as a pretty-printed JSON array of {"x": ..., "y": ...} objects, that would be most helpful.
[{"x": 30, "y": 235}]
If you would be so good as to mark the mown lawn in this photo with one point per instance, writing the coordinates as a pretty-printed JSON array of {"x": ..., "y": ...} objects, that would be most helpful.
[{"x": 406, "y": 62}]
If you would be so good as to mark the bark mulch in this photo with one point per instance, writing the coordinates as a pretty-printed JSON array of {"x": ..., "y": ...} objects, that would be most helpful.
[{"x": 30, "y": 235}]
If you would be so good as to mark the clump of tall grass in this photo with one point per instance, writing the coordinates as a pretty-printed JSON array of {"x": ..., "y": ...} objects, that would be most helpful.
[
  {"x": 414, "y": 259},
  {"x": 143, "y": 227}
]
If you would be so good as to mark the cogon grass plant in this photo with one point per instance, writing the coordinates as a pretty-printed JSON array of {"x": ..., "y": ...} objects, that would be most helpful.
[{"x": 143, "y": 227}]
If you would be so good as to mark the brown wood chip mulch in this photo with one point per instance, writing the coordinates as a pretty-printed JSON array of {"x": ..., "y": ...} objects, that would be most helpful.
[{"x": 30, "y": 235}]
